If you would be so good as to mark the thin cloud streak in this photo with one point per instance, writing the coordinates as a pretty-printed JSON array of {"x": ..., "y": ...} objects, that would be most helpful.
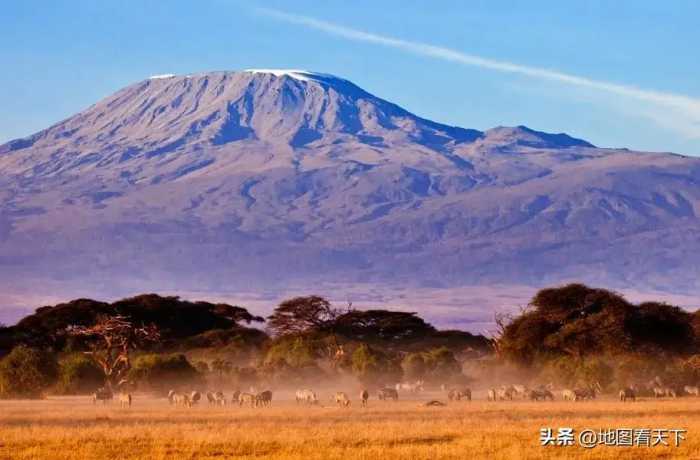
[{"x": 686, "y": 109}]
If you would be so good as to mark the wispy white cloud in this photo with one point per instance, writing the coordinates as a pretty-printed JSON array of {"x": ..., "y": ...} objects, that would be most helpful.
[{"x": 678, "y": 112}]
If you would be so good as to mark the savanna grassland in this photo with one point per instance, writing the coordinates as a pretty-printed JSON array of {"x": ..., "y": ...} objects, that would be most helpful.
[{"x": 66, "y": 428}]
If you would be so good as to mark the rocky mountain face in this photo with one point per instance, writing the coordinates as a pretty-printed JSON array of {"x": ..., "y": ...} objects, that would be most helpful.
[{"x": 265, "y": 179}]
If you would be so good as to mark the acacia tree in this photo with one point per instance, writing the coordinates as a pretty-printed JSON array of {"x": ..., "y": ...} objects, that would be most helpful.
[
  {"x": 110, "y": 341},
  {"x": 302, "y": 314}
]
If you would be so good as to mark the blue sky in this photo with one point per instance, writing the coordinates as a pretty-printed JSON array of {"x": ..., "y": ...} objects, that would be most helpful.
[{"x": 619, "y": 74}]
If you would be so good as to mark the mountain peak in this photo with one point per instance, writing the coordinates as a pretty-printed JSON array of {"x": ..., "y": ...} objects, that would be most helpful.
[{"x": 526, "y": 137}]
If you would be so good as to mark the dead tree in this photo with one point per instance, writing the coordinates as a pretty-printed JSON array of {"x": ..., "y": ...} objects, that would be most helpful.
[{"x": 110, "y": 341}]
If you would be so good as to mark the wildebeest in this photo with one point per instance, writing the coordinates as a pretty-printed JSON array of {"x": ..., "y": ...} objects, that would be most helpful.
[
  {"x": 102, "y": 394},
  {"x": 627, "y": 393},
  {"x": 458, "y": 395},
  {"x": 692, "y": 390},
  {"x": 387, "y": 393},
  {"x": 341, "y": 399},
  {"x": 306, "y": 396},
  {"x": 540, "y": 394},
  {"x": 246, "y": 398},
  {"x": 263, "y": 398},
  {"x": 125, "y": 399},
  {"x": 491, "y": 394},
  {"x": 364, "y": 396}
]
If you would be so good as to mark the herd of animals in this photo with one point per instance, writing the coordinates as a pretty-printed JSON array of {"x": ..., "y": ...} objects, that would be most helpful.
[{"x": 252, "y": 398}]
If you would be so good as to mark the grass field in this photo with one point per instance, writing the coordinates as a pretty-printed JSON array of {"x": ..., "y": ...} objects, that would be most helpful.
[{"x": 62, "y": 428}]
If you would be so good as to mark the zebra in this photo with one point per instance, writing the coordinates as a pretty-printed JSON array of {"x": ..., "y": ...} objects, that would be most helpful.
[
  {"x": 568, "y": 395},
  {"x": 211, "y": 398},
  {"x": 627, "y": 393},
  {"x": 364, "y": 396},
  {"x": 306, "y": 396},
  {"x": 263, "y": 398},
  {"x": 457, "y": 395},
  {"x": 102, "y": 394},
  {"x": 387, "y": 393},
  {"x": 246, "y": 398},
  {"x": 692, "y": 390},
  {"x": 341, "y": 399},
  {"x": 540, "y": 394},
  {"x": 195, "y": 396},
  {"x": 504, "y": 393},
  {"x": 491, "y": 394},
  {"x": 125, "y": 399}
]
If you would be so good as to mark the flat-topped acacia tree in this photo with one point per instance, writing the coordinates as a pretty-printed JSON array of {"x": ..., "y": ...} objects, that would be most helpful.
[{"x": 110, "y": 340}]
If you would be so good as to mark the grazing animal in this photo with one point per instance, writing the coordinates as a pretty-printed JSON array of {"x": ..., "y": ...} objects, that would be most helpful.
[
  {"x": 387, "y": 393},
  {"x": 246, "y": 398},
  {"x": 234, "y": 398},
  {"x": 306, "y": 397},
  {"x": 692, "y": 390},
  {"x": 364, "y": 396},
  {"x": 491, "y": 394},
  {"x": 521, "y": 391},
  {"x": 263, "y": 398},
  {"x": 627, "y": 393},
  {"x": 102, "y": 394},
  {"x": 540, "y": 394},
  {"x": 458, "y": 395},
  {"x": 180, "y": 399},
  {"x": 504, "y": 393},
  {"x": 219, "y": 398},
  {"x": 411, "y": 387},
  {"x": 195, "y": 396},
  {"x": 660, "y": 392},
  {"x": 210, "y": 398},
  {"x": 341, "y": 399},
  {"x": 125, "y": 399},
  {"x": 171, "y": 394},
  {"x": 568, "y": 395}
]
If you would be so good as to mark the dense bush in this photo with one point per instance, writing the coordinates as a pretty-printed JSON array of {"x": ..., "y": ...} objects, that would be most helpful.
[
  {"x": 161, "y": 372},
  {"x": 26, "y": 373},
  {"x": 372, "y": 366},
  {"x": 78, "y": 374}
]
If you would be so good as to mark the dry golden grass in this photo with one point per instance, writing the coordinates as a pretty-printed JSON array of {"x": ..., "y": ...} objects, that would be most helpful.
[{"x": 63, "y": 428}]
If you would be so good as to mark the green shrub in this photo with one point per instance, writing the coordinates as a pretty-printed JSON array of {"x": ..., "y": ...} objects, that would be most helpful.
[
  {"x": 161, "y": 372},
  {"x": 26, "y": 372},
  {"x": 78, "y": 374}
]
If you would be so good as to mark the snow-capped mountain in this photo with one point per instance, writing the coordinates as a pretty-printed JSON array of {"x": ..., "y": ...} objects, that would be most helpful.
[{"x": 262, "y": 179}]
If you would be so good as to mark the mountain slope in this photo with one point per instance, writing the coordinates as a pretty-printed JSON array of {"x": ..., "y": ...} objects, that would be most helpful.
[{"x": 266, "y": 179}]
